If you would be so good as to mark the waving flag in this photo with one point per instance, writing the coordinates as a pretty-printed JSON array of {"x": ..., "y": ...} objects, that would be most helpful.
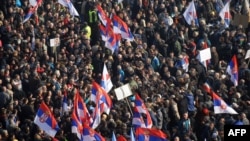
[
  {"x": 185, "y": 63},
  {"x": 46, "y": 121},
  {"x": 103, "y": 32},
  {"x": 81, "y": 110},
  {"x": 220, "y": 105},
  {"x": 219, "y": 5},
  {"x": 76, "y": 125},
  {"x": 91, "y": 135},
  {"x": 232, "y": 70},
  {"x": 96, "y": 115},
  {"x": 145, "y": 134},
  {"x": 68, "y": 3},
  {"x": 106, "y": 82},
  {"x": 120, "y": 27},
  {"x": 109, "y": 37},
  {"x": 102, "y": 15},
  {"x": 35, "y": 2},
  {"x": 225, "y": 14},
  {"x": 141, "y": 116},
  {"x": 32, "y": 10},
  {"x": 105, "y": 100},
  {"x": 190, "y": 14}
]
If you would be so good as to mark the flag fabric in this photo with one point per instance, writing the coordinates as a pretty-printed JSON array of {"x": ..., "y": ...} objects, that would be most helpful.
[
  {"x": 233, "y": 71},
  {"x": 46, "y": 121},
  {"x": 96, "y": 115},
  {"x": 103, "y": 32},
  {"x": 113, "y": 137},
  {"x": 102, "y": 15},
  {"x": 109, "y": 37},
  {"x": 121, "y": 138},
  {"x": 132, "y": 137},
  {"x": 185, "y": 63},
  {"x": 225, "y": 14},
  {"x": 32, "y": 10},
  {"x": 141, "y": 116},
  {"x": 220, "y": 106},
  {"x": 190, "y": 14},
  {"x": 69, "y": 4},
  {"x": 76, "y": 125},
  {"x": 105, "y": 100},
  {"x": 81, "y": 110},
  {"x": 219, "y": 5},
  {"x": 145, "y": 134},
  {"x": 90, "y": 134},
  {"x": 106, "y": 82},
  {"x": 120, "y": 27}
]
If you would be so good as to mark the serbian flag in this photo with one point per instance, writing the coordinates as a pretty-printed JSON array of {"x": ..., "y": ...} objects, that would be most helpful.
[
  {"x": 220, "y": 106},
  {"x": 76, "y": 125},
  {"x": 32, "y": 10},
  {"x": 225, "y": 14},
  {"x": 106, "y": 82},
  {"x": 145, "y": 134},
  {"x": 68, "y": 3},
  {"x": 102, "y": 15},
  {"x": 190, "y": 14},
  {"x": 90, "y": 134},
  {"x": 232, "y": 70},
  {"x": 103, "y": 32},
  {"x": 141, "y": 116},
  {"x": 109, "y": 37},
  {"x": 105, "y": 100},
  {"x": 81, "y": 110},
  {"x": 120, "y": 27},
  {"x": 96, "y": 115},
  {"x": 46, "y": 121}
]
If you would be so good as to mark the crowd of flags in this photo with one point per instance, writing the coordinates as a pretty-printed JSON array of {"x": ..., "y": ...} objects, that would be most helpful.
[
  {"x": 83, "y": 124},
  {"x": 113, "y": 29},
  {"x": 190, "y": 14}
]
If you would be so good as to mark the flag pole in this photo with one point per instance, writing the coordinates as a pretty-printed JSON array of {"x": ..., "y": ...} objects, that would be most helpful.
[
  {"x": 129, "y": 106},
  {"x": 127, "y": 103}
]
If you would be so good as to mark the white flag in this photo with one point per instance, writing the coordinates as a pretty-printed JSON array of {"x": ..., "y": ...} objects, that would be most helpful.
[
  {"x": 106, "y": 82},
  {"x": 68, "y": 3},
  {"x": 190, "y": 14},
  {"x": 225, "y": 14}
]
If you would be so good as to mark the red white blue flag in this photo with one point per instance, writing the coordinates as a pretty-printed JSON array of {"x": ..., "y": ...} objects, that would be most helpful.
[
  {"x": 233, "y": 71},
  {"x": 46, "y": 121},
  {"x": 220, "y": 106},
  {"x": 90, "y": 134},
  {"x": 105, "y": 100},
  {"x": 141, "y": 116},
  {"x": 120, "y": 27},
  {"x": 225, "y": 14},
  {"x": 145, "y": 134},
  {"x": 190, "y": 14}
]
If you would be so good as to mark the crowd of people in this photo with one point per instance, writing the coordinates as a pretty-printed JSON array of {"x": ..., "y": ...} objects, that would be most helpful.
[{"x": 31, "y": 70}]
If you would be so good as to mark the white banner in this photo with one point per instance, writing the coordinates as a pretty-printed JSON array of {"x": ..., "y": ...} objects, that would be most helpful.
[{"x": 123, "y": 92}]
